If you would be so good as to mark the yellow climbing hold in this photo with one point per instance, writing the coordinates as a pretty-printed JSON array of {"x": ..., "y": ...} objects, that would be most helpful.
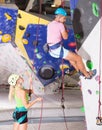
[
  {"x": 7, "y": 16},
  {"x": 64, "y": 66},
  {"x": 0, "y": 32},
  {"x": 25, "y": 41},
  {"x": 6, "y": 38}
]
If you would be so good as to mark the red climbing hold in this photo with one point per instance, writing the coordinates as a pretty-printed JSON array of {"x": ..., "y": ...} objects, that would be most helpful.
[{"x": 72, "y": 44}]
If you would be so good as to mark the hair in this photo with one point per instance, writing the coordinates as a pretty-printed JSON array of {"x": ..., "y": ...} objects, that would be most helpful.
[
  {"x": 58, "y": 17},
  {"x": 11, "y": 92}
]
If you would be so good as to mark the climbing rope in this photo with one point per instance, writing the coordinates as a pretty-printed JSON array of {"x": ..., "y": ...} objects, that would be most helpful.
[
  {"x": 62, "y": 98},
  {"x": 37, "y": 30},
  {"x": 63, "y": 3},
  {"x": 62, "y": 83},
  {"x": 31, "y": 88},
  {"x": 99, "y": 118},
  {"x": 35, "y": 43}
]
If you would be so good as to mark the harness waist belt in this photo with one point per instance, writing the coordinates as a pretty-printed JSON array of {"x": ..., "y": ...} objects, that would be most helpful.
[
  {"x": 20, "y": 109},
  {"x": 55, "y": 46}
]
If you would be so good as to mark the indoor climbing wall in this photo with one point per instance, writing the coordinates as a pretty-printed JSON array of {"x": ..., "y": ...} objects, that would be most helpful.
[
  {"x": 90, "y": 88},
  {"x": 30, "y": 37},
  {"x": 86, "y": 23},
  {"x": 23, "y": 20},
  {"x": 85, "y": 17},
  {"x": 47, "y": 68},
  {"x": 32, "y": 28},
  {"x": 11, "y": 57},
  {"x": 12, "y": 62}
]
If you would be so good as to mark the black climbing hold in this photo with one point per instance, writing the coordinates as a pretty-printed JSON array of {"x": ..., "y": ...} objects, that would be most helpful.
[
  {"x": 46, "y": 72},
  {"x": 19, "y": 16},
  {"x": 21, "y": 27}
]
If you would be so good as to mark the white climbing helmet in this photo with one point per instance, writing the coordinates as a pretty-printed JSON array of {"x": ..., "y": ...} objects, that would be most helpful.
[{"x": 13, "y": 79}]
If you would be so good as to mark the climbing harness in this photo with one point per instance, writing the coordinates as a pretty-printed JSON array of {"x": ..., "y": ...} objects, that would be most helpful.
[
  {"x": 20, "y": 115},
  {"x": 48, "y": 48}
]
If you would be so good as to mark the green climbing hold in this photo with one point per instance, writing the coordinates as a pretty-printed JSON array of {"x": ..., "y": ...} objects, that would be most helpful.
[
  {"x": 95, "y": 9},
  {"x": 58, "y": 72},
  {"x": 44, "y": 62},
  {"x": 97, "y": 92},
  {"x": 72, "y": 10},
  {"x": 89, "y": 64},
  {"x": 82, "y": 109},
  {"x": 77, "y": 36},
  {"x": 36, "y": 50},
  {"x": 38, "y": 55}
]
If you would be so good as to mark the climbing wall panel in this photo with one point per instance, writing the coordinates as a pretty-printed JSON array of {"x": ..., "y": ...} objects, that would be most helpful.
[
  {"x": 11, "y": 61},
  {"x": 85, "y": 16},
  {"x": 90, "y": 88},
  {"x": 8, "y": 18},
  {"x": 30, "y": 28},
  {"x": 23, "y": 20},
  {"x": 86, "y": 23},
  {"x": 47, "y": 67},
  {"x": 11, "y": 57}
]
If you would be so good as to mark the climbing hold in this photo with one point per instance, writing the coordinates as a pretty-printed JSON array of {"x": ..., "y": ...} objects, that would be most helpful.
[
  {"x": 63, "y": 66},
  {"x": 72, "y": 44},
  {"x": 38, "y": 56},
  {"x": 36, "y": 50},
  {"x": 44, "y": 62},
  {"x": 97, "y": 78},
  {"x": 0, "y": 32},
  {"x": 21, "y": 27},
  {"x": 77, "y": 36},
  {"x": 82, "y": 109},
  {"x": 89, "y": 64},
  {"x": 46, "y": 72},
  {"x": 35, "y": 43},
  {"x": 72, "y": 10},
  {"x": 6, "y": 38},
  {"x": 97, "y": 92},
  {"x": 95, "y": 9},
  {"x": 8, "y": 17},
  {"x": 89, "y": 91},
  {"x": 19, "y": 16},
  {"x": 24, "y": 41},
  {"x": 27, "y": 35},
  {"x": 58, "y": 72}
]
